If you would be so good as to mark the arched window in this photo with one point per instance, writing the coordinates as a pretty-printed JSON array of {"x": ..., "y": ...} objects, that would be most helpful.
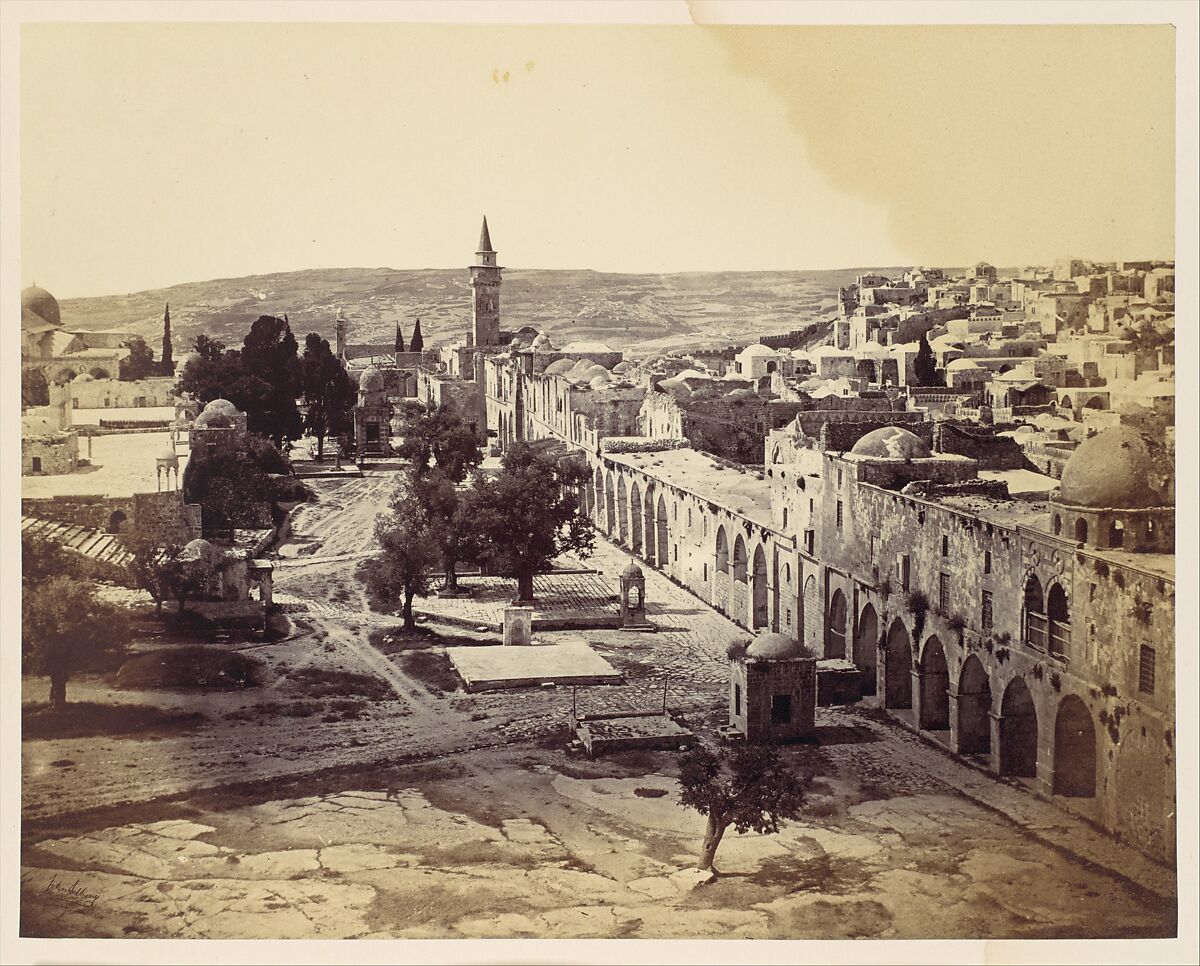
[
  {"x": 1081, "y": 530},
  {"x": 1059, "y": 617},
  {"x": 722, "y": 552},
  {"x": 739, "y": 560},
  {"x": 1035, "y": 614},
  {"x": 1116, "y": 534}
]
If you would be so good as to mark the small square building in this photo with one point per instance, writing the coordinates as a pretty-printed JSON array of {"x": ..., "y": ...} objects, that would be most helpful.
[{"x": 773, "y": 690}]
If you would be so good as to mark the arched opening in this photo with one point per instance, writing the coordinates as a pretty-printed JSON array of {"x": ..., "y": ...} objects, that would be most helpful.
[
  {"x": 1081, "y": 530},
  {"x": 622, "y": 510},
  {"x": 1057, "y": 525},
  {"x": 935, "y": 687},
  {"x": 64, "y": 376},
  {"x": 116, "y": 521},
  {"x": 1035, "y": 614},
  {"x": 1058, "y": 616},
  {"x": 98, "y": 372},
  {"x": 898, "y": 668},
  {"x": 662, "y": 551},
  {"x": 722, "y": 551},
  {"x": 651, "y": 528},
  {"x": 610, "y": 504},
  {"x": 1074, "y": 750},
  {"x": 1116, "y": 534},
  {"x": 1096, "y": 402},
  {"x": 866, "y": 644},
  {"x": 835, "y": 627},
  {"x": 1018, "y": 731},
  {"x": 1066, "y": 403},
  {"x": 720, "y": 589},
  {"x": 739, "y": 560},
  {"x": 635, "y": 518},
  {"x": 759, "y": 614},
  {"x": 599, "y": 501},
  {"x": 974, "y": 706}
]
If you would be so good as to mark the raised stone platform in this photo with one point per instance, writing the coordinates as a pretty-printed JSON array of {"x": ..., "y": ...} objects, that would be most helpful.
[
  {"x": 495, "y": 667},
  {"x": 630, "y": 730}
]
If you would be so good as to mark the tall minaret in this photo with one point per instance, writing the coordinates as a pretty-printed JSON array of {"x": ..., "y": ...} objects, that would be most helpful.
[{"x": 485, "y": 284}]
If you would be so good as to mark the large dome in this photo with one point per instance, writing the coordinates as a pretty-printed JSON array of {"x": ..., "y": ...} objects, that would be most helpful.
[
  {"x": 220, "y": 407},
  {"x": 558, "y": 367},
  {"x": 41, "y": 303},
  {"x": 1119, "y": 468},
  {"x": 891, "y": 443},
  {"x": 769, "y": 646}
]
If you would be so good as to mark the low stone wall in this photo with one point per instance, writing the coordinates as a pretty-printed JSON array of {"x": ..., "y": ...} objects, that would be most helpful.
[{"x": 96, "y": 511}]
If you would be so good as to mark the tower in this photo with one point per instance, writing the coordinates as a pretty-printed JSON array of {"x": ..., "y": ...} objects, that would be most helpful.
[
  {"x": 485, "y": 288},
  {"x": 340, "y": 326}
]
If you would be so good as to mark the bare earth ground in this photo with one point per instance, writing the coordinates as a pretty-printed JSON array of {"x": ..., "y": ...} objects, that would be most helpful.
[{"x": 284, "y": 812}]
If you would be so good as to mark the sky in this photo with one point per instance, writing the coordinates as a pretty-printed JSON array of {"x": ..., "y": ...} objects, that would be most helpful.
[{"x": 155, "y": 154}]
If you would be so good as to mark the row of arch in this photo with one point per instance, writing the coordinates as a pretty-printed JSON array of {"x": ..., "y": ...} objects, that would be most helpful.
[{"x": 1074, "y": 753}]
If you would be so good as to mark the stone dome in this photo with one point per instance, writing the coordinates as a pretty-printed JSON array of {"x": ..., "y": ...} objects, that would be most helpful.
[
  {"x": 769, "y": 646},
  {"x": 220, "y": 407},
  {"x": 891, "y": 443},
  {"x": 1119, "y": 468},
  {"x": 559, "y": 367},
  {"x": 542, "y": 343},
  {"x": 371, "y": 380},
  {"x": 207, "y": 420},
  {"x": 167, "y": 453},
  {"x": 200, "y": 549},
  {"x": 600, "y": 380},
  {"x": 963, "y": 365},
  {"x": 84, "y": 377},
  {"x": 37, "y": 301},
  {"x": 622, "y": 367},
  {"x": 633, "y": 570}
]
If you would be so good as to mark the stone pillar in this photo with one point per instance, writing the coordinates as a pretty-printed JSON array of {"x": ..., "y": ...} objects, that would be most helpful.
[
  {"x": 994, "y": 720},
  {"x": 918, "y": 705},
  {"x": 955, "y": 737}
]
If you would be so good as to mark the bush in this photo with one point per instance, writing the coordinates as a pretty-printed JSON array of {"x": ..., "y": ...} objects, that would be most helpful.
[{"x": 191, "y": 666}]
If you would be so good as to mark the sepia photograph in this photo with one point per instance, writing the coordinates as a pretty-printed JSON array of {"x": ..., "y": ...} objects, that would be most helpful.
[{"x": 690, "y": 472}]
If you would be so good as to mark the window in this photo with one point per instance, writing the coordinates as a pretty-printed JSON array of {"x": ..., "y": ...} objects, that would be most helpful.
[
  {"x": 985, "y": 620},
  {"x": 839, "y": 514},
  {"x": 987, "y": 561},
  {"x": 809, "y": 540},
  {"x": 785, "y": 516},
  {"x": 1146, "y": 671},
  {"x": 903, "y": 567},
  {"x": 781, "y": 709},
  {"x": 839, "y": 478},
  {"x": 944, "y": 593},
  {"x": 737, "y": 699},
  {"x": 945, "y": 546},
  {"x": 37, "y": 464},
  {"x": 788, "y": 611},
  {"x": 706, "y": 571}
]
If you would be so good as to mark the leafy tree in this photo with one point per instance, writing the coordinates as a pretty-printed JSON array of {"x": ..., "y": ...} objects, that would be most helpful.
[
  {"x": 208, "y": 348},
  {"x": 219, "y": 373},
  {"x": 328, "y": 391},
  {"x": 408, "y": 549},
  {"x": 230, "y": 487},
  {"x": 269, "y": 352},
  {"x": 35, "y": 391},
  {"x": 751, "y": 789},
  {"x": 925, "y": 366},
  {"x": 530, "y": 514},
  {"x": 167, "y": 364},
  {"x": 41, "y": 560},
  {"x": 417, "y": 342},
  {"x": 139, "y": 364},
  {"x": 64, "y": 625},
  {"x": 451, "y": 515},
  {"x": 441, "y": 436}
]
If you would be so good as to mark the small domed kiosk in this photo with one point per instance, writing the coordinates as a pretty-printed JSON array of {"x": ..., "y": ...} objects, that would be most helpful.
[
  {"x": 773, "y": 690},
  {"x": 633, "y": 599}
]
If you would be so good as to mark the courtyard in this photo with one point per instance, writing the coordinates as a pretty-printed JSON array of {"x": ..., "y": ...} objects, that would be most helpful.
[{"x": 359, "y": 791}]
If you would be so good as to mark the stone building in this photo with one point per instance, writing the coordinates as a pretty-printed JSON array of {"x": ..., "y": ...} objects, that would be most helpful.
[
  {"x": 372, "y": 415},
  {"x": 773, "y": 690},
  {"x": 53, "y": 353}
]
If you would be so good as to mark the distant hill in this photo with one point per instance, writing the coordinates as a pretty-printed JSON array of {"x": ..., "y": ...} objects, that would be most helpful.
[{"x": 641, "y": 312}]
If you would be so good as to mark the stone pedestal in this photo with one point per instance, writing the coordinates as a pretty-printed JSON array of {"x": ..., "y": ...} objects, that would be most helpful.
[{"x": 518, "y": 625}]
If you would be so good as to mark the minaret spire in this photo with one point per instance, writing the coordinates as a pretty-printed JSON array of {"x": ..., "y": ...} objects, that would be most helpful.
[{"x": 485, "y": 239}]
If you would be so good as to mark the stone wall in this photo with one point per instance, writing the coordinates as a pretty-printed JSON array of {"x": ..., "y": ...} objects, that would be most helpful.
[
  {"x": 96, "y": 512},
  {"x": 166, "y": 514},
  {"x": 990, "y": 451},
  {"x": 49, "y": 455},
  {"x": 115, "y": 394}
]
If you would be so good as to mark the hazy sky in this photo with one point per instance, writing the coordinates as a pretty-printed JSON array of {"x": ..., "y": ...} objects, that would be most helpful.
[{"x": 163, "y": 153}]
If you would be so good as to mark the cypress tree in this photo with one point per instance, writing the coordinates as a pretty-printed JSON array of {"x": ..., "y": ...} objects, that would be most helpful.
[
  {"x": 417, "y": 342},
  {"x": 399, "y": 340},
  {"x": 167, "y": 363}
]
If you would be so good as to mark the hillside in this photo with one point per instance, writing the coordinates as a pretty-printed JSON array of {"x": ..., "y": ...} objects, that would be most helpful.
[{"x": 653, "y": 312}]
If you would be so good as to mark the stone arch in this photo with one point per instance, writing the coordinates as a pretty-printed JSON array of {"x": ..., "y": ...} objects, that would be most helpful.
[
  {"x": 1034, "y": 613},
  {"x": 99, "y": 372},
  {"x": 974, "y": 709},
  {"x": 739, "y": 560},
  {"x": 622, "y": 509},
  {"x": 65, "y": 375},
  {"x": 759, "y": 606},
  {"x": 651, "y": 526},
  {"x": 722, "y": 551},
  {"x": 1116, "y": 534},
  {"x": 116, "y": 521},
  {"x": 1018, "y": 731},
  {"x": 599, "y": 498},
  {"x": 1074, "y": 750},
  {"x": 935, "y": 687},
  {"x": 662, "y": 551},
  {"x": 835, "y": 626},
  {"x": 898, "y": 667},
  {"x": 721, "y": 571},
  {"x": 635, "y": 518},
  {"x": 866, "y": 646},
  {"x": 1081, "y": 530},
  {"x": 1058, "y": 619},
  {"x": 1066, "y": 403},
  {"x": 1096, "y": 402},
  {"x": 610, "y": 503}
]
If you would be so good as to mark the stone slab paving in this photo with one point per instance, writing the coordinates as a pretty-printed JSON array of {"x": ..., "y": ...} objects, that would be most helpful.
[
  {"x": 493, "y": 667},
  {"x": 557, "y": 596}
]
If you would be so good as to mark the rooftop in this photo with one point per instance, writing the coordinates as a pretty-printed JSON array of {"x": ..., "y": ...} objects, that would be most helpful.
[
  {"x": 702, "y": 475},
  {"x": 121, "y": 465}
]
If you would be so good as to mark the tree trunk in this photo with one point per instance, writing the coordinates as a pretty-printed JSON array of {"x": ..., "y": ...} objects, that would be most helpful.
[
  {"x": 409, "y": 623},
  {"x": 451, "y": 581},
  {"x": 525, "y": 588},
  {"x": 58, "y": 692},
  {"x": 712, "y": 838},
  {"x": 158, "y": 607},
  {"x": 320, "y": 447}
]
